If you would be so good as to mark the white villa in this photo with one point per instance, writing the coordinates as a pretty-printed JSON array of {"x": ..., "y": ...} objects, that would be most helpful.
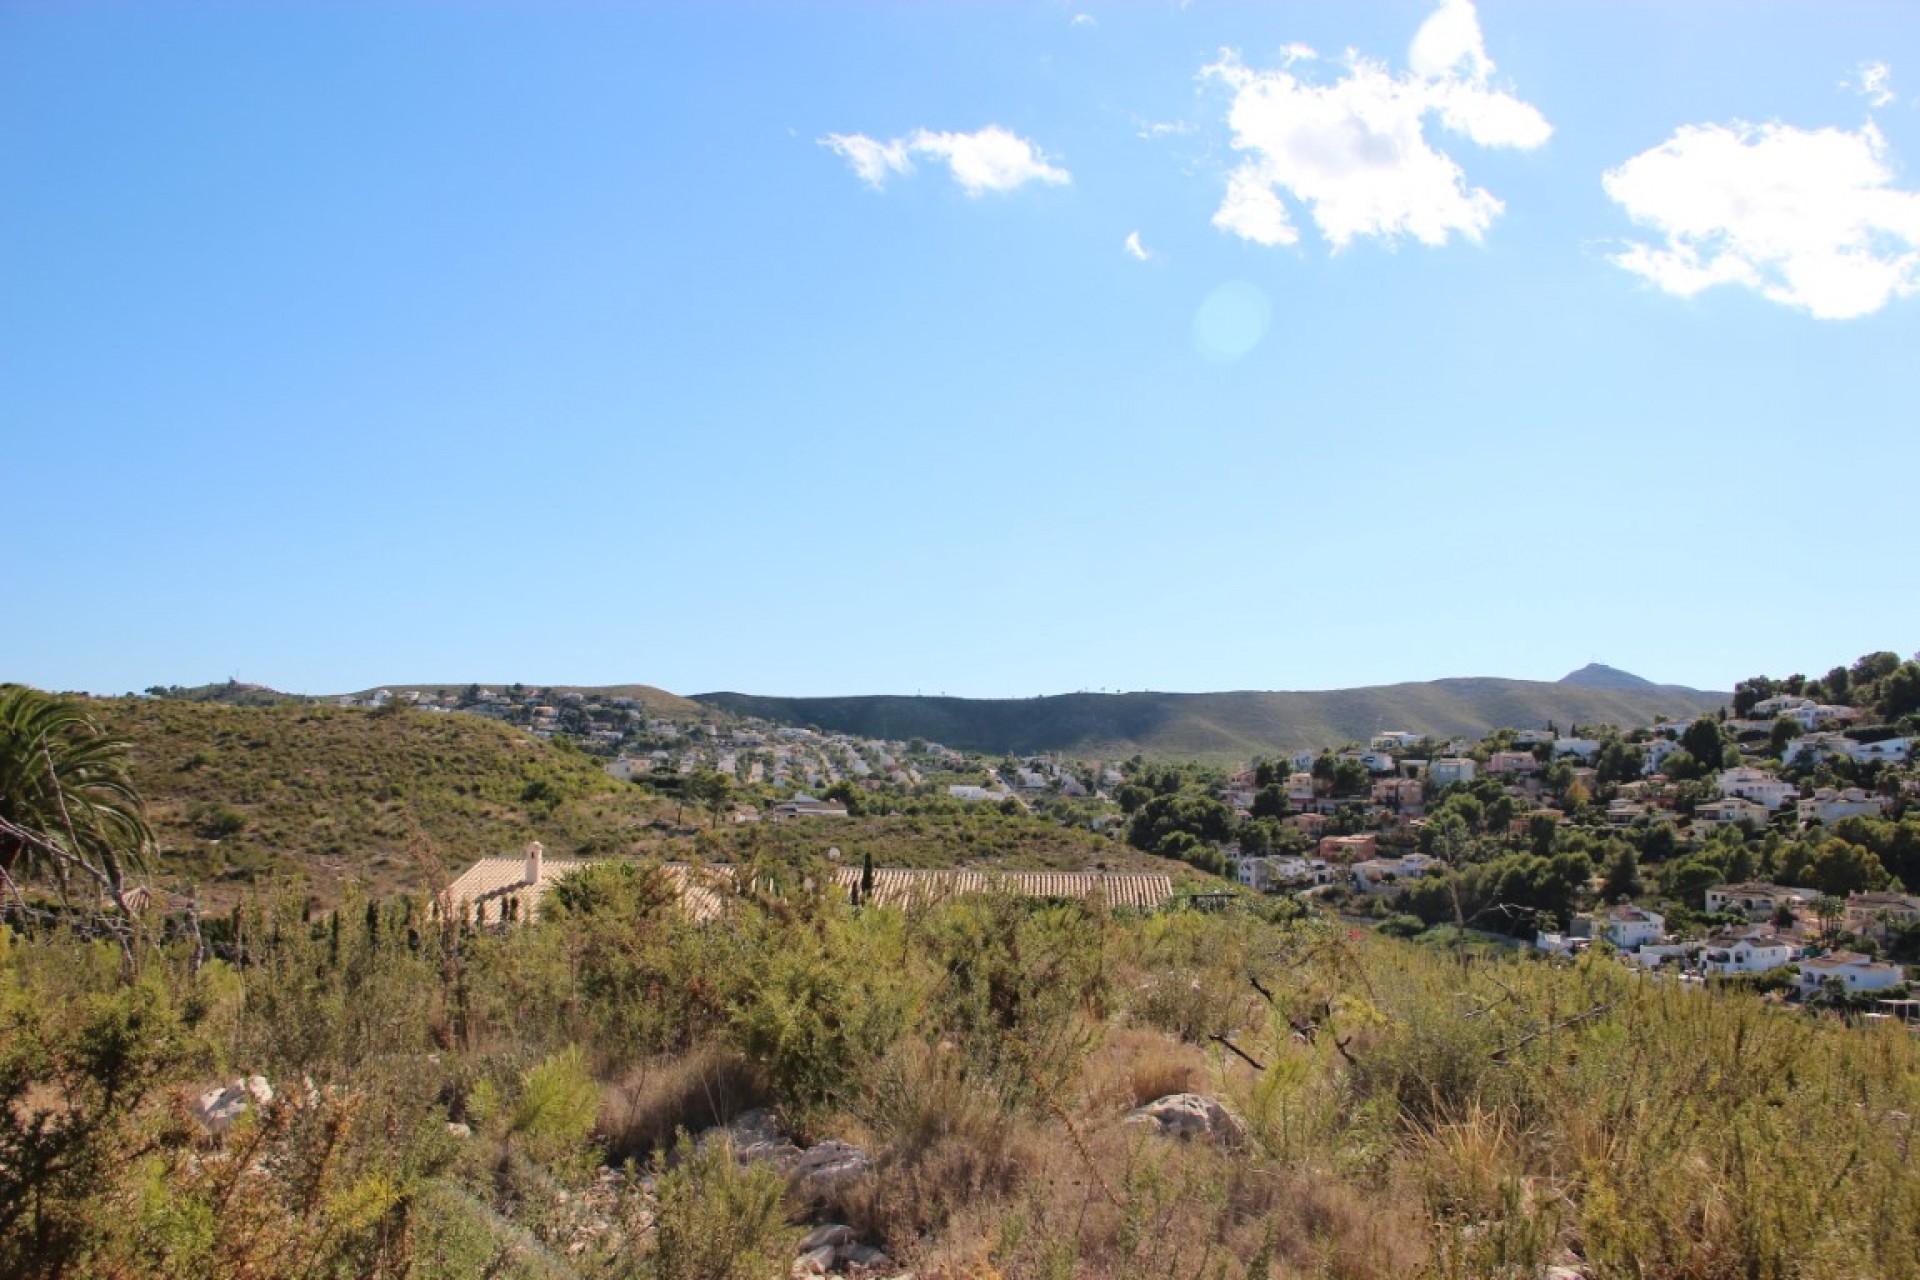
[
  {"x": 1629, "y": 927},
  {"x": 1854, "y": 971},
  {"x": 1745, "y": 951},
  {"x": 1758, "y": 786},
  {"x": 1757, "y": 899},
  {"x": 1378, "y": 875},
  {"x": 1829, "y": 806},
  {"x": 1730, "y": 811}
]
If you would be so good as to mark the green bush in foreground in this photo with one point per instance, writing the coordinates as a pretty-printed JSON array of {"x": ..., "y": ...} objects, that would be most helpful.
[{"x": 1402, "y": 1109}]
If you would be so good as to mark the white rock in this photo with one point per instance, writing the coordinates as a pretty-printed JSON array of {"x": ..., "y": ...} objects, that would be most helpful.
[
  {"x": 832, "y": 1161},
  {"x": 865, "y": 1255},
  {"x": 217, "y": 1109},
  {"x": 833, "y": 1235},
  {"x": 1189, "y": 1115},
  {"x": 814, "y": 1262}
]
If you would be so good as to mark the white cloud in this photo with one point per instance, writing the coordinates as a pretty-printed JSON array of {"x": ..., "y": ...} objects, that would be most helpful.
[
  {"x": 872, "y": 160},
  {"x": 1085, "y": 20},
  {"x": 1449, "y": 45},
  {"x": 989, "y": 159},
  {"x": 1872, "y": 81},
  {"x": 1489, "y": 118},
  {"x": 1807, "y": 218},
  {"x": 1253, "y": 211},
  {"x": 1136, "y": 250},
  {"x": 1355, "y": 151}
]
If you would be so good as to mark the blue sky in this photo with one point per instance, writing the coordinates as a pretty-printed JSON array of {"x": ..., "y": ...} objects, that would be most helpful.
[{"x": 986, "y": 349}]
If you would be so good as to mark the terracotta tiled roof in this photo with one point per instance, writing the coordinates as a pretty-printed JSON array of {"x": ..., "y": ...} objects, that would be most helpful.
[
  {"x": 491, "y": 882},
  {"x": 900, "y": 888}
]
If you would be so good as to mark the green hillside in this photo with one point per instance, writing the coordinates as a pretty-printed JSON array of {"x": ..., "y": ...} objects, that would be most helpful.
[
  {"x": 325, "y": 795},
  {"x": 1224, "y": 726}
]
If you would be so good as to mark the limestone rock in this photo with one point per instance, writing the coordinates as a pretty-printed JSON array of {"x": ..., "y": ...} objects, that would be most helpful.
[
  {"x": 1190, "y": 1115},
  {"x": 830, "y": 1163},
  {"x": 832, "y": 1235},
  {"x": 758, "y": 1136},
  {"x": 815, "y": 1262},
  {"x": 866, "y": 1256},
  {"x": 217, "y": 1109}
]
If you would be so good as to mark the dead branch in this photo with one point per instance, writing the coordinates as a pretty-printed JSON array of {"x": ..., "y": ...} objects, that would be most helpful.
[
  {"x": 1500, "y": 1054},
  {"x": 1237, "y": 1052}
]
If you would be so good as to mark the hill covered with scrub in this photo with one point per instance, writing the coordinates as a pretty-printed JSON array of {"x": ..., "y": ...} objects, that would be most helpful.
[
  {"x": 246, "y": 795},
  {"x": 320, "y": 797},
  {"x": 448, "y": 1103}
]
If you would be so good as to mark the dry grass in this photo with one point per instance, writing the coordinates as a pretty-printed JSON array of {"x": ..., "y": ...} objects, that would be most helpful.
[
  {"x": 655, "y": 1099},
  {"x": 1133, "y": 1066},
  {"x": 945, "y": 1140},
  {"x": 1127, "y": 1203}
]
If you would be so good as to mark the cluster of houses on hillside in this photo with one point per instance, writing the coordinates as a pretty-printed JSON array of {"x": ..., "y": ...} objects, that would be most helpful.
[
  {"x": 783, "y": 757},
  {"x": 750, "y": 752},
  {"x": 596, "y": 722},
  {"x": 1399, "y": 786},
  {"x": 1783, "y": 926},
  {"x": 1351, "y": 861}
]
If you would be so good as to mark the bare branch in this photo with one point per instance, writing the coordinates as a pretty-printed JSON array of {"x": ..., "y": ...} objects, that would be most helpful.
[
  {"x": 1237, "y": 1051},
  {"x": 1500, "y": 1054}
]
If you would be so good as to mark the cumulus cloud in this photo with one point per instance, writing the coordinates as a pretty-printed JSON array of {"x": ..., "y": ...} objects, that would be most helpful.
[
  {"x": 1355, "y": 152},
  {"x": 1136, "y": 250},
  {"x": 1449, "y": 44},
  {"x": 1872, "y": 81},
  {"x": 1807, "y": 218},
  {"x": 989, "y": 159},
  {"x": 873, "y": 161}
]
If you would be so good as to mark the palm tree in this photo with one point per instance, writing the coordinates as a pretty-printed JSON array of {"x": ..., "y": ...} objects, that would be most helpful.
[
  {"x": 67, "y": 803},
  {"x": 1829, "y": 911}
]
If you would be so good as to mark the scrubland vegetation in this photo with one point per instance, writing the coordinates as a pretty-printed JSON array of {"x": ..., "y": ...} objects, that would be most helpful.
[
  {"x": 1407, "y": 1109},
  {"x": 241, "y": 797}
]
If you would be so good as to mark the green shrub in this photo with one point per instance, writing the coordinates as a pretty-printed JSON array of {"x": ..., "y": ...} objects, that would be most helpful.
[{"x": 719, "y": 1220}]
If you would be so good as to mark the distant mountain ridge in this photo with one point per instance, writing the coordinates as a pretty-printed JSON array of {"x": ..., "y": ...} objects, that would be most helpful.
[
  {"x": 1217, "y": 726},
  {"x": 1238, "y": 725}
]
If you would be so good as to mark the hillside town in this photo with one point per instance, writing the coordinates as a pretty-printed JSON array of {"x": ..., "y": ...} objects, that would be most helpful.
[
  {"x": 1773, "y": 846},
  {"x": 1773, "y": 842}
]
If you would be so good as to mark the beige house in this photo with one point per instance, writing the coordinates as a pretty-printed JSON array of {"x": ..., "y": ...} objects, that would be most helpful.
[
  {"x": 1348, "y": 848},
  {"x": 1757, "y": 899},
  {"x": 1869, "y": 914}
]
